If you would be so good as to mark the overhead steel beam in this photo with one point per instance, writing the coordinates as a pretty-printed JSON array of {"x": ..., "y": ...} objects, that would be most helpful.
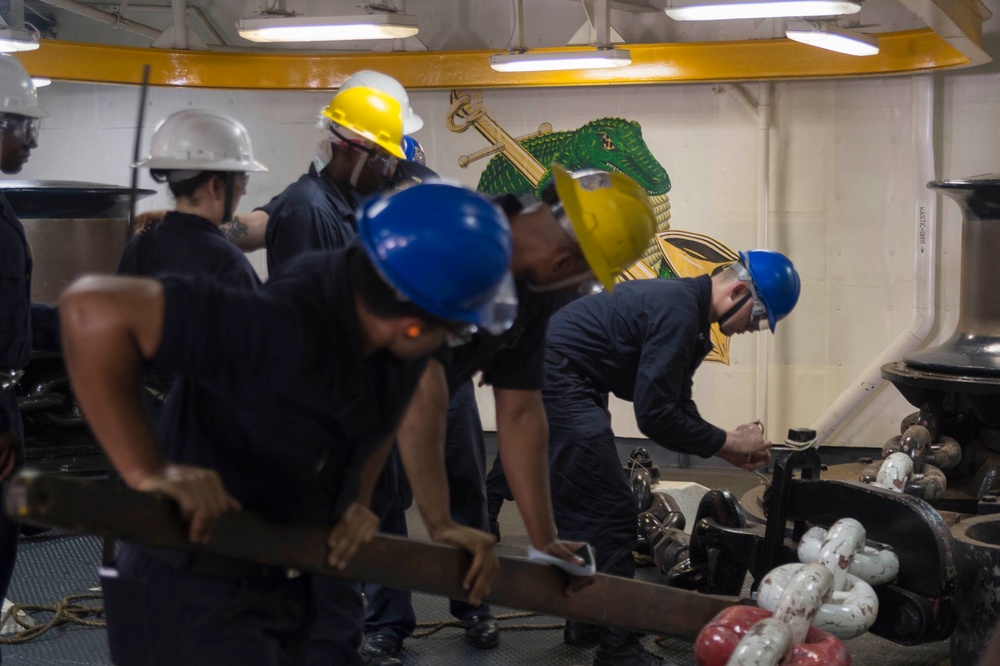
[
  {"x": 91, "y": 507},
  {"x": 904, "y": 52}
]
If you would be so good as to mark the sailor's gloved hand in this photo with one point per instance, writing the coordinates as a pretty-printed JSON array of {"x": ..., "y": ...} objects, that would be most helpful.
[
  {"x": 479, "y": 579},
  {"x": 198, "y": 491},
  {"x": 357, "y": 526},
  {"x": 11, "y": 454}
]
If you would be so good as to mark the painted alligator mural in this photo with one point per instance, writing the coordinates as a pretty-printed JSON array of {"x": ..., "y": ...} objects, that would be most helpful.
[
  {"x": 522, "y": 165},
  {"x": 612, "y": 144}
]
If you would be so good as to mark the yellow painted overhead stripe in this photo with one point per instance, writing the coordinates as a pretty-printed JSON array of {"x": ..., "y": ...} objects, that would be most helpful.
[{"x": 900, "y": 53}]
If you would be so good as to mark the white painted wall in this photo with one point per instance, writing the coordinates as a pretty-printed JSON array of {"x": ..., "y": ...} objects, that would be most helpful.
[{"x": 842, "y": 190}]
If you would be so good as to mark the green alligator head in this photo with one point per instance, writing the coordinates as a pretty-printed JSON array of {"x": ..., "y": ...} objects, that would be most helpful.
[{"x": 613, "y": 144}]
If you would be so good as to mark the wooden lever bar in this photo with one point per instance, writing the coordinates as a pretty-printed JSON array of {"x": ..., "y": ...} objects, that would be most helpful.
[{"x": 93, "y": 507}]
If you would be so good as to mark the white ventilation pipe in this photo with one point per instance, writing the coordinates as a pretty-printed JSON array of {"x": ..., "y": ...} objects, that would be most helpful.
[
  {"x": 179, "y": 8},
  {"x": 925, "y": 252},
  {"x": 763, "y": 227},
  {"x": 761, "y": 111}
]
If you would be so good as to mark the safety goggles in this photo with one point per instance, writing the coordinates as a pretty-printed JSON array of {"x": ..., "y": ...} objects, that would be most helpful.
[
  {"x": 460, "y": 334},
  {"x": 758, "y": 315},
  {"x": 20, "y": 128},
  {"x": 378, "y": 159}
]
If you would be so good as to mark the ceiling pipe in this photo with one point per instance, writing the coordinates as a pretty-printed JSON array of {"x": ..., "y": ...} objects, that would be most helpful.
[
  {"x": 107, "y": 18},
  {"x": 17, "y": 14},
  {"x": 924, "y": 283},
  {"x": 179, "y": 8},
  {"x": 196, "y": 12}
]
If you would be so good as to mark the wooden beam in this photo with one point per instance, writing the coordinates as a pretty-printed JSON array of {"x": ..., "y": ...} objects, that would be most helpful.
[{"x": 101, "y": 508}]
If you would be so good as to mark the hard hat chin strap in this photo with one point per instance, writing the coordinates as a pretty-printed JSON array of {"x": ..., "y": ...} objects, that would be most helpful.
[
  {"x": 358, "y": 168},
  {"x": 726, "y": 316},
  {"x": 227, "y": 210}
]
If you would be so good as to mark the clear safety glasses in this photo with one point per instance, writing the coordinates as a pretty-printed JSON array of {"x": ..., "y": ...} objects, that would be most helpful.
[
  {"x": 378, "y": 159},
  {"x": 460, "y": 334},
  {"x": 20, "y": 128},
  {"x": 758, "y": 315}
]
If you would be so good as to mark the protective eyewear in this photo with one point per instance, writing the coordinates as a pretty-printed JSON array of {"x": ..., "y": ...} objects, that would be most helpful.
[
  {"x": 378, "y": 159},
  {"x": 758, "y": 315},
  {"x": 21, "y": 128},
  {"x": 460, "y": 334}
]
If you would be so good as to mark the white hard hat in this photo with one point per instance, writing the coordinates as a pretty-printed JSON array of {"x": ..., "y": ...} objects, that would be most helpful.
[
  {"x": 371, "y": 79},
  {"x": 200, "y": 140},
  {"x": 17, "y": 91}
]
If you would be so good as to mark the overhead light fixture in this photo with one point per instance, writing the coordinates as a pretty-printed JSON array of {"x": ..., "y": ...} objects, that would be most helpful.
[
  {"x": 388, "y": 25},
  {"x": 602, "y": 55},
  {"x": 40, "y": 82},
  {"x": 714, "y": 10},
  {"x": 14, "y": 39},
  {"x": 540, "y": 61},
  {"x": 832, "y": 37}
]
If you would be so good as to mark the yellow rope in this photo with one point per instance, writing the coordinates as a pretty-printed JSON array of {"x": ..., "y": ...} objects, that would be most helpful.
[
  {"x": 435, "y": 627},
  {"x": 64, "y": 611}
]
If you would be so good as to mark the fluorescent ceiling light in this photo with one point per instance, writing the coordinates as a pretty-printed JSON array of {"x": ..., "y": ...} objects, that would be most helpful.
[
  {"x": 685, "y": 10},
  {"x": 560, "y": 60},
  {"x": 12, "y": 40},
  {"x": 834, "y": 38},
  {"x": 40, "y": 82},
  {"x": 328, "y": 28}
]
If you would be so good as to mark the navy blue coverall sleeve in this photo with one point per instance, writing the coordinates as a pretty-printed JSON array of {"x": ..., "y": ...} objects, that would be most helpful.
[
  {"x": 15, "y": 308},
  {"x": 663, "y": 406},
  {"x": 304, "y": 229}
]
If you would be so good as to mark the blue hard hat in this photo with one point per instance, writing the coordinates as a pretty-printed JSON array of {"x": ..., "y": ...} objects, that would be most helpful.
[
  {"x": 413, "y": 150},
  {"x": 446, "y": 249},
  {"x": 776, "y": 280}
]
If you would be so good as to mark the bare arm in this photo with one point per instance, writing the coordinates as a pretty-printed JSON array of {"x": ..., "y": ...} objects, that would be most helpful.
[
  {"x": 523, "y": 440},
  {"x": 421, "y": 446},
  {"x": 246, "y": 231},
  {"x": 358, "y": 525},
  {"x": 109, "y": 325}
]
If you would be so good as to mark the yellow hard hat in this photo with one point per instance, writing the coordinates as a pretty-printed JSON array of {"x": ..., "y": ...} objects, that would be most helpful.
[
  {"x": 611, "y": 216},
  {"x": 370, "y": 113}
]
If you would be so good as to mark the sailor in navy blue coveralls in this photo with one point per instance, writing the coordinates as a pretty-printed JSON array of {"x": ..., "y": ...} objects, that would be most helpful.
[
  {"x": 185, "y": 244},
  {"x": 19, "y": 124},
  {"x": 290, "y": 401},
  {"x": 642, "y": 343},
  {"x": 314, "y": 213},
  {"x": 287, "y": 425},
  {"x": 510, "y": 361},
  {"x": 15, "y": 351}
]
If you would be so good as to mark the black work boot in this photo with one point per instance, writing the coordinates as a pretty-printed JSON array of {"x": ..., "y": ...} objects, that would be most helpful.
[
  {"x": 618, "y": 647},
  {"x": 493, "y": 505},
  {"x": 581, "y": 634},
  {"x": 380, "y": 650}
]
